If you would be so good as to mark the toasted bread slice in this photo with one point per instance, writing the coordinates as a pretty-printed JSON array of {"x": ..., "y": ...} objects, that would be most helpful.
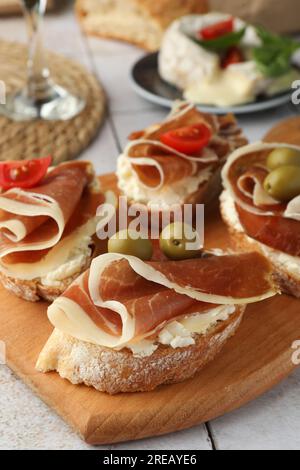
[
  {"x": 140, "y": 22},
  {"x": 113, "y": 371},
  {"x": 286, "y": 267},
  {"x": 35, "y": 290}
]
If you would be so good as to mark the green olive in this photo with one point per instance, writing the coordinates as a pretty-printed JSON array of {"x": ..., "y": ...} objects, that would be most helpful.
[
  {"x": 175, "y": 240},
  {"x": 283, "y": 183},
  {"x": 283, "y": 157},
  {"x": 128, "y": 242}
]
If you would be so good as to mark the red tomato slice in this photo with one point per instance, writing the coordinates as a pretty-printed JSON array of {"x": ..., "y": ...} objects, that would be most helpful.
[
  {"x": 23, "y": 174},
  {"x": 217, "y": 30},
  {"x": 189, "y": 140},
  {"x": 234, "y": 56}
]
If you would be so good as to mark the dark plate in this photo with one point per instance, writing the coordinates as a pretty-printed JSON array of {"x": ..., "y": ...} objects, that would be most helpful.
[{"x": 147, "y": 83}]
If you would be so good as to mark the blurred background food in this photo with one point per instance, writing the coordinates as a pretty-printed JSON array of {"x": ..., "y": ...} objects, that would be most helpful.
[
  {"x": 277, "y": 15},
  {"x": 140, "y": 22},
  {"x": 143, "y": 22},
  {"x": 11, "y": 7}
]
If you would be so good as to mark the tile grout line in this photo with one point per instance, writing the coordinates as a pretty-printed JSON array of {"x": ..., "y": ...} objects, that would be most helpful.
[
  {"x": 95, "y": 71},
  {"x": 211, "y": 436},
  {"x": 115, "y": 132}
]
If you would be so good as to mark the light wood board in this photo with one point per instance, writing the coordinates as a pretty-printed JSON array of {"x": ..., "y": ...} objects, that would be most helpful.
[{"x": 254, "y": 361}]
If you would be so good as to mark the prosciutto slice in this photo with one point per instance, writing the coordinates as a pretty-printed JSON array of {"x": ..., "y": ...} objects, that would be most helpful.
[
  {"x": 157, "y": 165},
  {"x": 35, "y": 219},
  {"x": 122, "y": 299},
  {"x": 263, "y": 218}
]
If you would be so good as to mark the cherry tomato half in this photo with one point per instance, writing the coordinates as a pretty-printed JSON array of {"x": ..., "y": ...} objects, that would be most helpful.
[
  {"x": 23, "y": 174},
  {"x": 189, "y": 140},
  {"x": 233, "y": 56},
  {"x": 217, "y": 30}
]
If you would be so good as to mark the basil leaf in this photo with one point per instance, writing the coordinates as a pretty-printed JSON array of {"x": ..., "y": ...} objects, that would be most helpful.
[
  {"x": 268, "y": 38},
  {"x": 223, "y": 42},
  {"x": 273, "y": 57},
  {"x": 272, "y": 62}
]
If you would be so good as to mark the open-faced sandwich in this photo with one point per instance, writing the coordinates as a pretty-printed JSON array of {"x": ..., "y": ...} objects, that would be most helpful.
[
  {"x": 129, "y": 325},
  {"x": 220, "y": 60},
  {"x": 175, "y": 161},
  {"x": 47, "y": 223},
  {"x": 261, "y": 206}
]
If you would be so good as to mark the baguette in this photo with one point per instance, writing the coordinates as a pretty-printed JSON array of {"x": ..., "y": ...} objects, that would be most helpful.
[
  {"x": 140, "y": 22},
  {"x": 112, "y": 371},
  {"x": 286, "y": 268}
]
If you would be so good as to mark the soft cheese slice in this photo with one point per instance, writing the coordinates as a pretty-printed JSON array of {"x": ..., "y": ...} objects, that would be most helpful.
[
  {"x": 236, "y": 85},
  {"x": 56, "y": 257}
]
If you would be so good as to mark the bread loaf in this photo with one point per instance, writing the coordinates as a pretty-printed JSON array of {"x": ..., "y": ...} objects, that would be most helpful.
[{"x": 141, "y": 22}]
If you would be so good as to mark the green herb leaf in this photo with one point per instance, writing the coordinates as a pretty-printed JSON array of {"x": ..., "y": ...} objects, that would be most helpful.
[
  {"x": 221, "y": 43},
  {"x": 273, "y": 57}
]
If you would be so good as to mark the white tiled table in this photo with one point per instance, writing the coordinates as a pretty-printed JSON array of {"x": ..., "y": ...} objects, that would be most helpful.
[{"x": 272, "y": 421}]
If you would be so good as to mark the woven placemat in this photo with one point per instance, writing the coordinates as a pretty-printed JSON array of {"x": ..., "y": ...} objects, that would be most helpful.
[{"x": 63, "y": 140}]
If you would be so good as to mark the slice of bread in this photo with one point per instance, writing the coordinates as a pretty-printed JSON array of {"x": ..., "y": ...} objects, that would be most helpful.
[
  {"x": 113, "y": 371},
  {"x": 286, "y": 267},
  {"x": 140, "y": 22},
  {"x": 35, "y": 290}
]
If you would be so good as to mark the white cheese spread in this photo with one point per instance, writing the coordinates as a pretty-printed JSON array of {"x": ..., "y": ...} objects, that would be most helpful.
[
  {"x": 181, "y": 333},
  {"x": 176, "y": 193},
  {"x": 74, "y": 264}
]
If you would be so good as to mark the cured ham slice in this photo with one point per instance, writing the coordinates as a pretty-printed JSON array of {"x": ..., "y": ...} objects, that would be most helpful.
[
  {"x": 263, "y": 218},
  {"x": 122, "y": 299},
  {"x": 280, "y": 233},
  {"x": 157, "y": 165},
  {"x": 35, "y": 219}
]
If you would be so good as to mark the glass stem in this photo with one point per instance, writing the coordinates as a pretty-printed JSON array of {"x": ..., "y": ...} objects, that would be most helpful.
[{"x": 38, "y": 81}]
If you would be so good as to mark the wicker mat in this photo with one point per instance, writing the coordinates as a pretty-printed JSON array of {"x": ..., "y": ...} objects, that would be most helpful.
[{"x": 63, "y": 140}]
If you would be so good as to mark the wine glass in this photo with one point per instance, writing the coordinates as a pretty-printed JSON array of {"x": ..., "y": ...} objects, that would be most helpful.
[{"x": 41, "y": 98}]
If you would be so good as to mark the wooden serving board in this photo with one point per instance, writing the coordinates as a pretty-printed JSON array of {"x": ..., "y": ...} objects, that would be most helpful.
[{"x": 255, "y": 360}]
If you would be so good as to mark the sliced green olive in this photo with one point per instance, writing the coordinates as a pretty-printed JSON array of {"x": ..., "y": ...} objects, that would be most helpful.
[
  {"x": 283, "y": 183},
  {"x": 128, "y": 242},
  {"x": 283, "y": 157},
  {"x": 176, "y": 240}
]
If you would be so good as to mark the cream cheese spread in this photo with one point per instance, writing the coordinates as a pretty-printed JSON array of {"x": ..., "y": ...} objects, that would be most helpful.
[
  {"x": 176, "y": 193},
  {"x": 181, "y": 333}
]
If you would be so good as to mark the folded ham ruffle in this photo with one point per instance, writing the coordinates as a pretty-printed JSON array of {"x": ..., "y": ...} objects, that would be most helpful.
[
  {"x": 34, "y": 220},
  {"x": 158, "y": 165},
  {"x": 264, "y": 219},
  {"x": 122, "y": 299}
]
